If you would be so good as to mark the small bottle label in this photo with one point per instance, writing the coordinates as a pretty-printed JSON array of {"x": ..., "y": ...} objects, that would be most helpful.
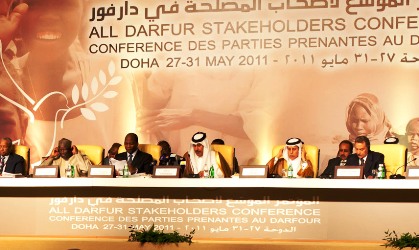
[
  {"x": 125, "y": 172},
  {"x": 211, "y": 173},
  {"x": 68, "y": 171},
  {"x": 290, "y": 172},
  {"x": 381, "y": 173}
]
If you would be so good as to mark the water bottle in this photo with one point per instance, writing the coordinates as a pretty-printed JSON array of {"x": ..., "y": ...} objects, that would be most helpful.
[
  {"x": 211, "y": 172},
  {"x": 73, "y": 173},
  {"x": 381, "y": 173},
  {"x": 68, "y": 171},
  {"x": 125, "y": 172},
  {"x": 206, "y": 175},
  {"x": 290, "y": 173}
]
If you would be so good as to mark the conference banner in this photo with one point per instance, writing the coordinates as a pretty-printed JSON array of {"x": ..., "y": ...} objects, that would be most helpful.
[{"x": 252, "y": 72}]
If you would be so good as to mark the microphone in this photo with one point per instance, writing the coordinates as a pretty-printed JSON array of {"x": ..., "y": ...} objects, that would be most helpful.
[
  {"x": 164, "y": 160},
  {"x": 172, "y": 160},
  {"x": 399, "y": 176},
  {"x": 151, "y": 167},
  {"x": 44, "y": 159}
]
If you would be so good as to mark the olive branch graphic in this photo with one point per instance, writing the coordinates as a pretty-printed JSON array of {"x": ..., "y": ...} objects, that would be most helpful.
[{"x": 88, "y": 104}]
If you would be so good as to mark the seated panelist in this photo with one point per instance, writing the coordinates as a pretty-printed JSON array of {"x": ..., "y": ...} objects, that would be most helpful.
[
  {"x": 167, "y": 157},
  {"x": 67, "y": 154},
  {"x": 200, "y": 158},
  {"x": 345, "y": 149},
  {"x": 365, "y": 157},
  {"x": 293, "y": 154},
  {"x": 137, "y": 161},
  {"x": 10, "y": 162}
]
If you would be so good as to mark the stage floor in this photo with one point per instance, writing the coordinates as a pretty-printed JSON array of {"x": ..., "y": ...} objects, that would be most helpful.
[{"x": 43, "y": 243}]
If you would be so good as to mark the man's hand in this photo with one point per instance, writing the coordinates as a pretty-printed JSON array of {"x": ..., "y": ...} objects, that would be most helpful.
[
  {"x": 132, "y": 169},
  {"x": 9, "y": 20},
  {"x": 55, "y": 153}
]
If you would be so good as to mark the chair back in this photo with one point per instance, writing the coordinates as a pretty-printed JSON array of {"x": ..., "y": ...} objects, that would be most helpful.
[
  {"x": 93, "y": 152},
  {"x": 313, "y": 154},
  {"x": 25, "y": 152},
  {"x": 153, "y": 149},
  {"x": 227, "y": 152},
  {"x": 395, "y": 157}
]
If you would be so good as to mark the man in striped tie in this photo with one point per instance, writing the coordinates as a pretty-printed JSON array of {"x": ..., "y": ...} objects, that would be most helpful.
[{"x": 137, "y": 161}]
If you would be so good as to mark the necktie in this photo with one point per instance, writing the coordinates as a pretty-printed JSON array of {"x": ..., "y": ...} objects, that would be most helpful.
[
  {"x": 129, "y": 158},
  {"x": 362, "y": 162},
  {"x": 1, "y": 164}
]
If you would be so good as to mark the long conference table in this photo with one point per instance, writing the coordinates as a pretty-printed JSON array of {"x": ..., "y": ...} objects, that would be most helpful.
[{"x": 247, "y": 208}]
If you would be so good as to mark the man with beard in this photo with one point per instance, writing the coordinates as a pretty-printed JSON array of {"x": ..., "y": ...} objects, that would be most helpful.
[
  {"x": 200, "y": 158},
  {"x": 293, "y": 154},
  {"x": 345, "y": 149}
]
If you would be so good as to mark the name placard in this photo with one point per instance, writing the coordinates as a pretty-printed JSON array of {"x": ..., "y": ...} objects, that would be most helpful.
[
  {"x": 257, "y": 171},
  {"x": 46, "y": 171},
  {"x": 412, "y": 172},
  {"x": 349, "y": 172},
  {"x": 101, "y": 171},
  {"x": 166, "y": 172}
]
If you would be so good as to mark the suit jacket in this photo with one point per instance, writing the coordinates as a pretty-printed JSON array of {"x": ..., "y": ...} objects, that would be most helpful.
[
  {"x": 373, "y": 159},
  {"x": 142, "y": 161},
  {"x": 329, "y": 172},
  {"x": 15, "y": 164}
]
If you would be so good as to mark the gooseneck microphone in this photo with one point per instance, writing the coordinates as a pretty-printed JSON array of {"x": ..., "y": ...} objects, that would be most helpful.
[
  {"x": 44, "y": 159},
  {"x": 399, "y": 176}
]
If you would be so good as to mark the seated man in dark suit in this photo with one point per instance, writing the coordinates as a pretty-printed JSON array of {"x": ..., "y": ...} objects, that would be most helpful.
[
  {"x": 365, "y": 157},
  {"x": 138, "y": 161},
  {"x": 345, "y": 149},
  {"x": 9, "y": 161}
]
